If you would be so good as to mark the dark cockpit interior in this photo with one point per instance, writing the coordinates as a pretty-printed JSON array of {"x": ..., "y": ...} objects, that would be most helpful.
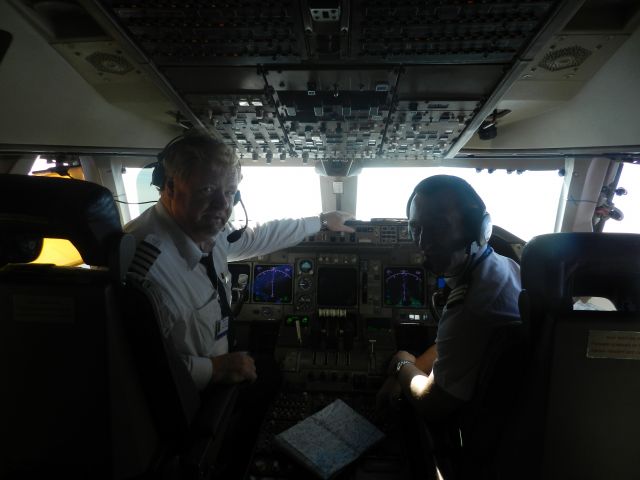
[{"x": 336, "y": 87}]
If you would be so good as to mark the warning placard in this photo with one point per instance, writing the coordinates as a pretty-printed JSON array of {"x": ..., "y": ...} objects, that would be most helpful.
[{"x": 613, "y": 344}]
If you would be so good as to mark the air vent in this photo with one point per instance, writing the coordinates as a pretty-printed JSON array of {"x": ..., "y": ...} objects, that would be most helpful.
[
  {"x": 569, "y": 57},
  {"x": 108, "y": 63}
]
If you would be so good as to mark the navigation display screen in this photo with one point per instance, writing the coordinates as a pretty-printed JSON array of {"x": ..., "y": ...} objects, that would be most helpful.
[
  {"x": 337, "y": 287},
  {"x": 272, "y": 283},
  {"x": 404, "y": 287}
]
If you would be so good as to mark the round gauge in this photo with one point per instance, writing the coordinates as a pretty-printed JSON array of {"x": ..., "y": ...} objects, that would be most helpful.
[
  {"x": 305, "y": 266},
  {"x": 304, "y": 283}
]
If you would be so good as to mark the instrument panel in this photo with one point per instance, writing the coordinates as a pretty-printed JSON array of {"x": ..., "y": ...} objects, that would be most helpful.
[
  {"x": 375, "y": 271},
  {"x": 336, "y": 299}
]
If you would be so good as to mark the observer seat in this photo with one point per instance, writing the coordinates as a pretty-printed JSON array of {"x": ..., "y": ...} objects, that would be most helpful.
[
  {"x": 92, "y": 389},
  {"x": 578, "y": 413}
]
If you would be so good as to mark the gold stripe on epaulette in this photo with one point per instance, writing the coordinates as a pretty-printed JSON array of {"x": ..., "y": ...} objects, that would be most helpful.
[{"x": 144, "y": 258}]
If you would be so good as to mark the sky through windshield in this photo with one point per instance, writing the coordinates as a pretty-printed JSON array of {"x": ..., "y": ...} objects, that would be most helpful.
[{"x": 526, "y": 204}]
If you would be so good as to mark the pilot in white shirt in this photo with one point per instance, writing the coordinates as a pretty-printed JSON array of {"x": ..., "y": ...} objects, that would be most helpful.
[
  {"x": 190, "y": 306},
  {"x": 190, "y": 221}
]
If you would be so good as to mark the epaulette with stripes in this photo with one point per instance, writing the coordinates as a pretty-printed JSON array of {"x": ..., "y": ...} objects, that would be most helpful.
[
  {"x": 146, "y": 254},
  {"x": 456, "y": 297}
]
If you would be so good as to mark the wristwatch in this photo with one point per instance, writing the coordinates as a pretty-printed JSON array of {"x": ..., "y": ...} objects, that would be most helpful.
[{"x": 402, "y": 363}]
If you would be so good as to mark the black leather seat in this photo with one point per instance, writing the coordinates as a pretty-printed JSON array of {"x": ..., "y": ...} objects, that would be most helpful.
[
  {"x": 578, "y": 415},
  {"x": 91, "y": 387},
  {"x": 71, "y": 404},
  {"x": 191, "y": 425}
]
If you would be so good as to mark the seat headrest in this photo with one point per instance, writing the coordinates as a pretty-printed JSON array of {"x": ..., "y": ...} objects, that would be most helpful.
[
  {"x": 559, "y": 266},
  {"x": 79, "y": 211}
]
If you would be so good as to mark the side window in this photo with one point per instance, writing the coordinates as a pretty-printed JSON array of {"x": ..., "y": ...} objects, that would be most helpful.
[
  {"x": 137, "y": 186},
  {"x": 594, "y": 303},
  {"x": 43, "y": 167},
  {"x": 628, "y": 204}
]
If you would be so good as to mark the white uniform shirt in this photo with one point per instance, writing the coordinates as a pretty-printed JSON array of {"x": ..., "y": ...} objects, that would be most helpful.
[
  {"x": 466, "y": 328},
  {"x": 190, "y": 310}
]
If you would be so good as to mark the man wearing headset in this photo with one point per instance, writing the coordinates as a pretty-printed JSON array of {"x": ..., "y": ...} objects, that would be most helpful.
[
  {"x": 184, "y": 243},
  {"x": 448, "y": 221}
]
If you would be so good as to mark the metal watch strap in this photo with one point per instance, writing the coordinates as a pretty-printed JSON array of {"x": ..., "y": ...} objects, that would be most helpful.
[{"x": 402, "y": 363}]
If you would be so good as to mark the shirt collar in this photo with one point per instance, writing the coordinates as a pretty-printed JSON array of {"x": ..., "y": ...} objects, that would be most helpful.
[{"x": 187, "y": 248}]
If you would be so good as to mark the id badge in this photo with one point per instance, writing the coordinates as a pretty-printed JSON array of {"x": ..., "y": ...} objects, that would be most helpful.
[{"x": 222, "y": 327}]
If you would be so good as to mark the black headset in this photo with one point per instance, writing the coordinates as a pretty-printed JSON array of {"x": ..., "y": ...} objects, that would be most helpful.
[
  {"x": 477, "y": 221},
  {"x": 158, "y": 178},
  {"x": 158, "y": 175}
]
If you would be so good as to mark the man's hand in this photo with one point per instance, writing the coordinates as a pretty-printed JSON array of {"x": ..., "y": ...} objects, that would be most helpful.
[
  {"x": 401, "y": 355},
  {"x": 335, "y": 221},
  {"x": 233, "y": 367}
]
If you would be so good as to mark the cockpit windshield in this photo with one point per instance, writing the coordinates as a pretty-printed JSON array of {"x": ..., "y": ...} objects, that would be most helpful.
[
  {"x": 279, "y": 192},
  {"x": 526, "y": 204}
]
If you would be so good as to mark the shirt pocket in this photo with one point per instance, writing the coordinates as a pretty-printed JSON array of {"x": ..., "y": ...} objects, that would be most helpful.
[{"x": 204, "y": 322}]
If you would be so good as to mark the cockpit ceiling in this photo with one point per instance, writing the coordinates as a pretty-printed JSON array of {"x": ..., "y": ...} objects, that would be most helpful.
[{"x": 337, "y": 80}]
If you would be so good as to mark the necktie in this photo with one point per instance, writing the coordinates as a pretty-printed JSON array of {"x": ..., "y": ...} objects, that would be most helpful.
[{"x": 225, "y": 308}]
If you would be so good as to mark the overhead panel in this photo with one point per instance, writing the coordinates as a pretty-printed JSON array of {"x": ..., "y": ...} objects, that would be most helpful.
[
  {"x": 445, "y": 31},
  {"x": 337, "y": 114},
  {"x": 303, "y": 81},
  {"x": 222, "y": 33}
]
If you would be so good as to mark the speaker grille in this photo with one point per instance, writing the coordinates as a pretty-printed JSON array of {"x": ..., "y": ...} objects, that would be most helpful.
[
  {"x": 569, "y": 57},
  {"x": 109, "y": 63}
]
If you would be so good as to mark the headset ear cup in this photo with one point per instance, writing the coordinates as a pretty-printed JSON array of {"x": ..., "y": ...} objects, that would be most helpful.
[
  {"x": 157, "y": 176},
  {"x": 236, "y": 198},
  {"x": 411, "y": 197},
  {"x": 485, "y": 230}
]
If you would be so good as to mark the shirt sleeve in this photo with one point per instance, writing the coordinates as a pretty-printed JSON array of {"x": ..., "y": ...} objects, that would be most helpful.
[
  {"x": 272, "y": 236},
  {"x": 167, "y": 313},
  {"x": 200, "y": 369}
]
